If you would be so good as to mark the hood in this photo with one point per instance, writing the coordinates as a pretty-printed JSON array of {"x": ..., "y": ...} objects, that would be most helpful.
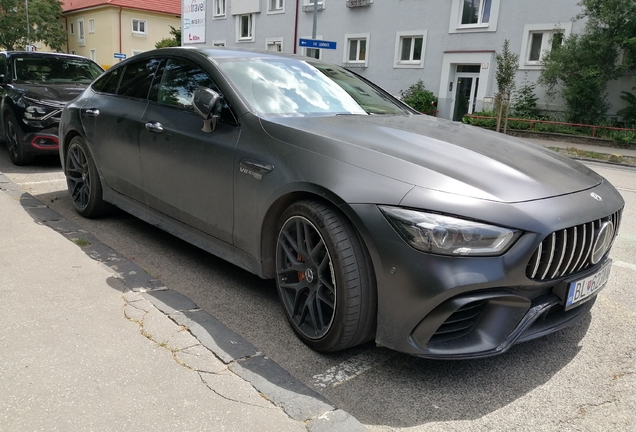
[
  {"x": 440, "y": 155},
  {"x": 51, "y": 93}
]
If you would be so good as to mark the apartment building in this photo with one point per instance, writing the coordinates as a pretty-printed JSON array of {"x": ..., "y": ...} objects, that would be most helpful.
[
  {"x": 449, "y": 44},
  {"x": 108, "y": 31}
]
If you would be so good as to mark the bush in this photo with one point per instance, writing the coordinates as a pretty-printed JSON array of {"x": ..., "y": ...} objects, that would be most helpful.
[
  {"x": 623, "y": 138},
  {"x": 525, "y": 101},
  {"x": 420, "y": 99}
]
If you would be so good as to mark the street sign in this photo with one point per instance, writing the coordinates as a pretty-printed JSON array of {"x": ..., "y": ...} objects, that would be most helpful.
[
  {"x": 120, "y": 55},
  {"x": 316, "y": 44}
]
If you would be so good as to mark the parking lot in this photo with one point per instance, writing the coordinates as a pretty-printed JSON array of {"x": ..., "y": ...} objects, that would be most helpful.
[{"x": 581, "y": 378}]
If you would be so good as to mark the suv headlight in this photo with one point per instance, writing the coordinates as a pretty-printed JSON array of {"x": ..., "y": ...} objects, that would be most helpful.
[
  {"x": 445, "y": 235},
  {"x": 38, "y": 111}
]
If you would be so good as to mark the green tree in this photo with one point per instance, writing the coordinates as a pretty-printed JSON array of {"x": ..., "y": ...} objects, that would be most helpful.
[
  {"x": 507, "y": 62},
  {"x": 43, "y": 24},
  {"x": 629, "y": 112},
  {"x": 174, "y": 41},
  {"x": 582, "y": 67},
  {"x": 614, "y": 19}
]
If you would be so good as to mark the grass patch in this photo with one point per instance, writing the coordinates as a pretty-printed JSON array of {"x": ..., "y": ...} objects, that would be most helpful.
[
  {"x": 586, "y": 154},
  {"x": 81, "y": 242}
]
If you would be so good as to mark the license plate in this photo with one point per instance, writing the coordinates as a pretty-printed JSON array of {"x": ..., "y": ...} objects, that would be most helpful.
[{"x": 584, "y": 289}]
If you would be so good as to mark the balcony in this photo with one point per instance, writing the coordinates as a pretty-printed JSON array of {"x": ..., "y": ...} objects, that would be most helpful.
[{"x": 358, "y": 3}]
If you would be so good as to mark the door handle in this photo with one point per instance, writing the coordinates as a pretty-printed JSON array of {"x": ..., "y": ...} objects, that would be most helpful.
[
  {"x": 155, "y": 127},
  {"x": 92, "y": 112}
]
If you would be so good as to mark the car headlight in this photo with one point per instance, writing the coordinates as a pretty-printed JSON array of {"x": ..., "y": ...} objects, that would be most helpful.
[
  {"x": 445, "y": 235},
  {"x": 36, "y": 111}
]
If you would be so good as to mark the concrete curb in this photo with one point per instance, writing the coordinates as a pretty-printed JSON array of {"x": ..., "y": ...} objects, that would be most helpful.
[{"x": 190, "y": 330}]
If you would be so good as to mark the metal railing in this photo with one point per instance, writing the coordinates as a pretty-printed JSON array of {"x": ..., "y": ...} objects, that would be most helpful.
[{"x": 533, "y": 122}]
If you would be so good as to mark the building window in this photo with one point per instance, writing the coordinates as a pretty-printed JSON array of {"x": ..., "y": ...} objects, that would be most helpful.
[
  {"x": 476, "y": 12},
  {"x": 245, "y": 28},
  {"x": 71, "y": 28},
  {"x": 93, "y": 55},
  {"x": 274, "y": 44},
  {"x": 409, "y": 49},
  {"x": 541, "y": 42},
  {"x": 80, "y": 32},
  {"x": 219, "y": 8},
  {"x": 139, "y": 27},
  {"x": 91, "y": 26},
  {"x": 474, "y": 16},
  {"x": 539, "y": 39},
  {"x": 275, "y": 5},
  {"x": 356, "y": 50},
  {"x": 218, "y": 43},
  {"x": 313, "y": 53}
]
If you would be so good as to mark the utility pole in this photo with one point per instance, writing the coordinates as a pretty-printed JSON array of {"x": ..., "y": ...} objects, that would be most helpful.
[
  {"x": 313, "y": 31},
  {"x": 28, "y": 41}
]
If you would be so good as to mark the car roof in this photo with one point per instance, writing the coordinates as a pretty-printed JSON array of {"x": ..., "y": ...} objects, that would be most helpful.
[
  {"x": 218, "y": 53},
  {"x": 41, "y": 54}
]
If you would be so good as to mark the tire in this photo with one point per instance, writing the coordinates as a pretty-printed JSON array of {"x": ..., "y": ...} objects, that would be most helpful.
[
  {"x": 324, "y": 277},
  {"x": 12, "y": 134},
  {"x": 82, "y": 179}
]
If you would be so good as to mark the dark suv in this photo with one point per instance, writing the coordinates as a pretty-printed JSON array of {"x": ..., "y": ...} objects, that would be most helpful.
[{"x": 34, "y": 88}]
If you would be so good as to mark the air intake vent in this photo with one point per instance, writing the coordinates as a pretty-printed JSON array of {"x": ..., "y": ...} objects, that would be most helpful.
[
  {"x": 568, "y": 251},
  {"x": 460, "y": 323}
]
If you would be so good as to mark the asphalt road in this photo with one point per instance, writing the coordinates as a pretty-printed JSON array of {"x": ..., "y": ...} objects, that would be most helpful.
[{"x": 580, "y": 379}]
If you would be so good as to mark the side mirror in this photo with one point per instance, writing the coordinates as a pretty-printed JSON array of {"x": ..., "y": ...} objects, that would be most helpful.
[{"x": 205, "y": 102}]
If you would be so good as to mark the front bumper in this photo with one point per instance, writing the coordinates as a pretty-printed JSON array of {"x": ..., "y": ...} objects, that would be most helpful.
[
  {"x": 466, "y": 307},
  {"x": 40, "y": 141}
]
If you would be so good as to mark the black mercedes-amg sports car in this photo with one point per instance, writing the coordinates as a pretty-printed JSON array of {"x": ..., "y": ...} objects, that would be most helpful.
[{"x": 430, "y": 237}]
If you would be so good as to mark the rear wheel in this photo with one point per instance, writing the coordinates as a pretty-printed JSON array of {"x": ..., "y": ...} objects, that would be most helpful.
[
  {"x": 83, "y": 181},
  {"x": 14, "y": 142},
  {"x": 324, "y": 278}
]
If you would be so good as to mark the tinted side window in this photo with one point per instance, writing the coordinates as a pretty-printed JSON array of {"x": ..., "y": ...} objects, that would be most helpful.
[
  {"x": 180, "y": 80},
  {"x": 3, "y": 68},
  {"x": 109, "y": 82},
  {"x": 138, "y": 78}
]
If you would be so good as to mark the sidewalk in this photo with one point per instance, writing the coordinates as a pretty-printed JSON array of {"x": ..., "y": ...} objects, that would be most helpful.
[
  {"x": 585, "y": 147},
  {"x": 88, "y": 344}
]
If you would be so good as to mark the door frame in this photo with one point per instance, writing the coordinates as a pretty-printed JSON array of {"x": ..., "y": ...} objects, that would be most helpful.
[{"x": 486, "y": 59}]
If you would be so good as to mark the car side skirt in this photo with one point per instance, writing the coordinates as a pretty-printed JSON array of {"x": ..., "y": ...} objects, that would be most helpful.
[{"x": 185, "y": 232}]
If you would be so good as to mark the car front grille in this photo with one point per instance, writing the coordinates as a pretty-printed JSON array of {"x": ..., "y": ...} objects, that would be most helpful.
[
  {"x": 461, "y": 322},
  {"x": 567, "y": 251}
]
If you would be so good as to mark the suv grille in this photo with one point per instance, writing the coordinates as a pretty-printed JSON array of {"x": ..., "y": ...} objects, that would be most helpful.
[{"x": 567, "y": 251}]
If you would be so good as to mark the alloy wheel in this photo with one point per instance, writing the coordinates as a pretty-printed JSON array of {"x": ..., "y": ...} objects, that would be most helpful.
[
  {"x": 306, "y": 278},
  {"x": 78, "y": 177}
]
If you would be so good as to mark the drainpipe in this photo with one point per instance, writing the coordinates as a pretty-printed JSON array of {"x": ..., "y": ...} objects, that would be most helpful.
[
  {"x": 296, "y": 28},
  {"x": 120, "y": 43},
  {"x": 66, "y": 22}
]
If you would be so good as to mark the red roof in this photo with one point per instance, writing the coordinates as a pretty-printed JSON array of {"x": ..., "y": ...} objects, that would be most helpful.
[{"x": 172, "y": 7}]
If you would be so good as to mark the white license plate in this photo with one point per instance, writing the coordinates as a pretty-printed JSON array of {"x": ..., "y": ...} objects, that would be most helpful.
[{"x": 584, "y": 289}]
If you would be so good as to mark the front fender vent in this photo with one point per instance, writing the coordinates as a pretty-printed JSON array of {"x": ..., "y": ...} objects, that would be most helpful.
[{"x": 567, "y": 251}]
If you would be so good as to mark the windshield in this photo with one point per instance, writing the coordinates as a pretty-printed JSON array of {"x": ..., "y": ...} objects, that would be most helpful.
[
  {"x": 53, "y": 69},
  {"x": 290, "y": 87}
]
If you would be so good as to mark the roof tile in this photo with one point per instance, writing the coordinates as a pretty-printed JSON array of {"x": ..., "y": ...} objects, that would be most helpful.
[{"x": 172, "y": 7}]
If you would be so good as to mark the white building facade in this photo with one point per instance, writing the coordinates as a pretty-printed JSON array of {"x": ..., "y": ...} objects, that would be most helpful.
[{"x": 449, "y": 44}]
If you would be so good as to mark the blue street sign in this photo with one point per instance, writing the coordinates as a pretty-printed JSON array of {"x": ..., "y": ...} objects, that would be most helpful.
[
  {"x": 120, "y": 55},
  {"x": 316, "y": 44}
]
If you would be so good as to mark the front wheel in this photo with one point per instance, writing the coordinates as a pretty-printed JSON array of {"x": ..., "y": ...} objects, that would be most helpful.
[
  {"x": 325, "y": 279},
  {"x": 17, "y": 153},
  {"x": 82, "y": 180}
]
